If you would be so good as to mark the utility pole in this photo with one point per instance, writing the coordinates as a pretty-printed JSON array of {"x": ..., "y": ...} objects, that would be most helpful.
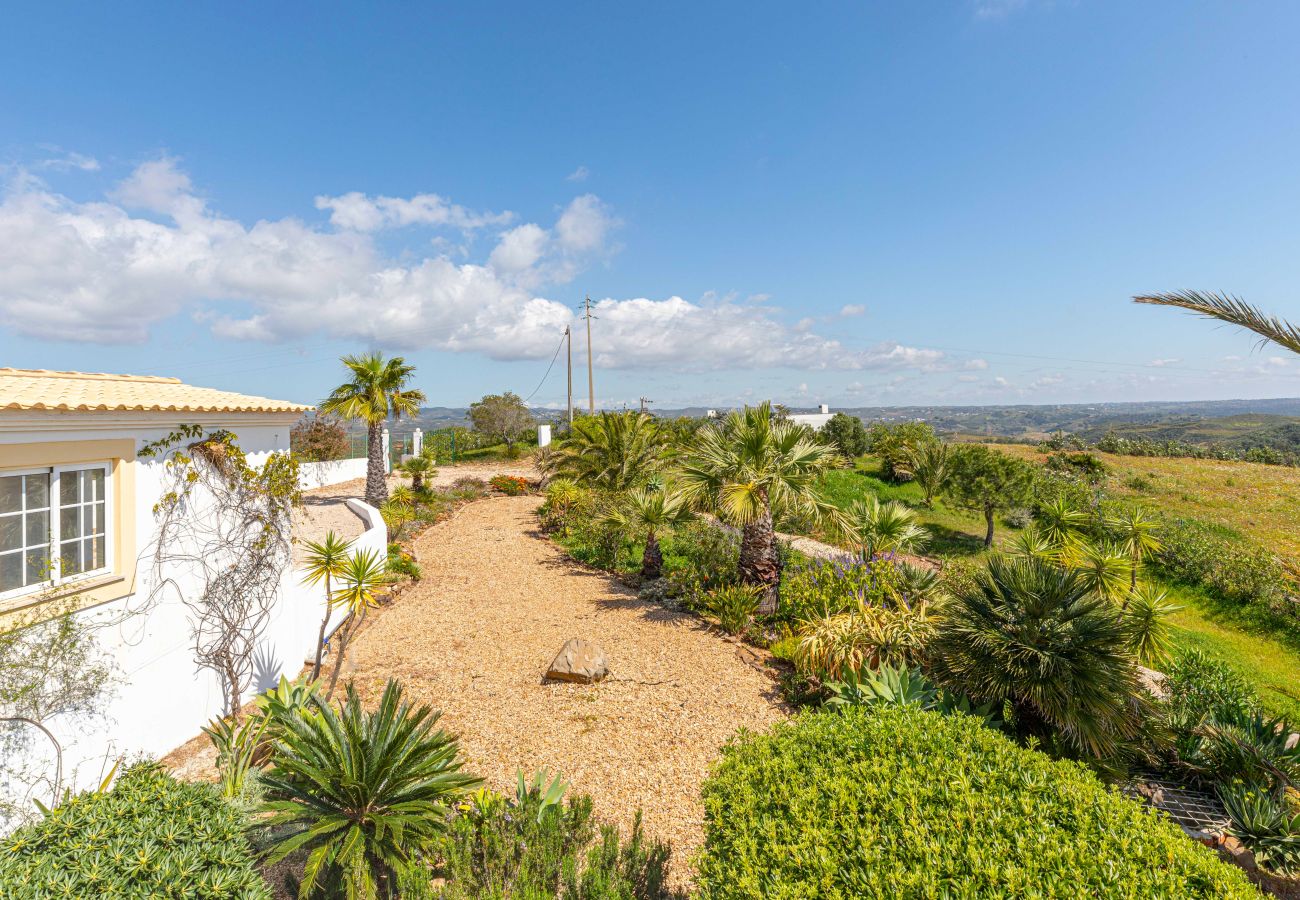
[
  {"x": 645, "y": 404},
  {"x": 591, "y": 378},
  {"x": 568, "y": 342}
]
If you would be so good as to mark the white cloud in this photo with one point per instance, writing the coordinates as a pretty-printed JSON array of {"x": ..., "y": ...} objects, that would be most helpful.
[
  {"x": 356, "y": 211},
  {"x": 96, "y": 271},
  {"x": 968, "y": 379},
  {"x": 1161, "y": 363},
  {"x": 852, "y": 309},
  {"x": 1001, "y": 382},
  {"x": 1043, "y": 381},
  {"x": 1276, "y": 362},
  {"x": 67, "y": 160},
  {"x": 578, "y": 174},
  {"x": 976, "y": 364}
]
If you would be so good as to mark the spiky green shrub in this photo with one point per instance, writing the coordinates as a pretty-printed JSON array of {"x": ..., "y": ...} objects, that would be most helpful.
[
  {"x": 538, "y": 845},
  {"x": 150, "y": 836},
  {"x": 902, "y": 804}
]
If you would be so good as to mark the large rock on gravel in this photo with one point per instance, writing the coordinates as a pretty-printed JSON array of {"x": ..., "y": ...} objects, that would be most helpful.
[{"x": 580, "y": 661}]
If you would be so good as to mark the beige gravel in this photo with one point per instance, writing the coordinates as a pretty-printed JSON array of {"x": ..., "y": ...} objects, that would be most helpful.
[{"x": 476, "y": 635}]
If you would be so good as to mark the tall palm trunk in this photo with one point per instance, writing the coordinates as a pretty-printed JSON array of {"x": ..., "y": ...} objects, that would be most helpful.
[
  {"x": 758, "y": 560},
  {"x": 652, "y": 561},
  {"x": 376, "y": 487}
]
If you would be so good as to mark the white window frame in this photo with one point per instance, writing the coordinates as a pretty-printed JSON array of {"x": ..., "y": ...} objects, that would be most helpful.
[{"x": 56, "y": 503}]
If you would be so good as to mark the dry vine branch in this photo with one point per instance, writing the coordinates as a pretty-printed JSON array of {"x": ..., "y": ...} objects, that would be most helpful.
[{"x": 222, "y": 546}]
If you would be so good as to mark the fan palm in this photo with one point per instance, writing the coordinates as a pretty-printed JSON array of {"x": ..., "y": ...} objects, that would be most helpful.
[
  {"x": 418, "y": 467},
  {"x": 362, "y": 792},
  {"x": 1034, "y": 635},
  {"x": 885, "y": 528},
  {"x": 744, "y": 467},
  {"x": 378, "y": 389},
  {"x": 1233, "y": 311},
  {"x": 649, "y": 511},
  {"x": 929, "y": 462},
  {"x": 364, "y": 576},
  {"x": 1135, "y": 532},
  {"x": 614, "y": 451},
  {"x": 324, "y": 561}
]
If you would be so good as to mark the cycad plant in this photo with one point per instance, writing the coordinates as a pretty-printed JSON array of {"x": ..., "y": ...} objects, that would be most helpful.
[
  {"x": 649, "y": 512},
  {"x": 880, "y": 528},
  {"x": 324, "y": 561},
  {"x": 363, "y": 579},
  {"x": 1034, "y": 635},
  {"x": 378, "y": 388},
  {"x": 929, "y": 461},
  {"x": 744, "y": 467},
  {"x": 613, "y": 451},
  {"x": 362, "y": 793}
]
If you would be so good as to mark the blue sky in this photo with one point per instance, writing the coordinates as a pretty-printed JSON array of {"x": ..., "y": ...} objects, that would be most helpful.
[{"x": 860, "y": 204}]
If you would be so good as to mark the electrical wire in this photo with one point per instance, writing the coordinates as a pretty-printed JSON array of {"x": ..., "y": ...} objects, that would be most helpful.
[{"x": 558, "y": 348}]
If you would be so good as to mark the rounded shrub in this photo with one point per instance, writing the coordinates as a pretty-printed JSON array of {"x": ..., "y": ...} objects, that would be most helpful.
[
  {"x": 150, "y": 836},
  {"x": 899, "y": 803}
]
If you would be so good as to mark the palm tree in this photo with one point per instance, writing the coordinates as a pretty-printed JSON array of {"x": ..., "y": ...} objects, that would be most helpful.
[
  {"x": 1145, "y": 610},
  {"x": 1135, "y": 532},
  {"x": 378, "y": 389},
  {"x": 929, "y": 462},
  {"x": 885, "y": 528},
  {"x": 1034, "y": 635},
  {"x": 614, "y": 451},
  {"x": 362, "y": 792},
  {"x": 364, "y": 576},
  {"x": 1233, "y": 311},
  {"x": 1062, "y": 524},
  {"x": 324, "y": 561},
  {"x": 651, "y": 511},
  {"x": 748, "y": 465},
  {"x": 1031, "y": 543},
  {"x": 419, "y": 468}
]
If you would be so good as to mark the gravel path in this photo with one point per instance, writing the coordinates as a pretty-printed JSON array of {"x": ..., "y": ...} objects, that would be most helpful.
[{"x": 476, "y": 635}]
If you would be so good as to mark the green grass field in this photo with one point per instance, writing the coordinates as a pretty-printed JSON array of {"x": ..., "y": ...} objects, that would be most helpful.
[{"x": 1257, "y": 645}]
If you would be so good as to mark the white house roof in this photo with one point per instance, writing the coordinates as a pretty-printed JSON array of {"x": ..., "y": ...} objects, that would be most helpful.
[{"x": 32, "y": 389}]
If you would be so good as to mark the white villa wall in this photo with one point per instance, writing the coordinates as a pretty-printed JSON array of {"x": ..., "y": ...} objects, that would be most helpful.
[
  {"x": 322, "y": 474},
  {"x": 160, "y": 698}
]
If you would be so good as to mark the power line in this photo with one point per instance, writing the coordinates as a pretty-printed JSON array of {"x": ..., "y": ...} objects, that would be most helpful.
[{"x": 558, "y": 348}]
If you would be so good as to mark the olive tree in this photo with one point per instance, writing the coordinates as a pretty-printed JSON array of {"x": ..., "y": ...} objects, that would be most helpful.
[{"x": 503, "y": 416}]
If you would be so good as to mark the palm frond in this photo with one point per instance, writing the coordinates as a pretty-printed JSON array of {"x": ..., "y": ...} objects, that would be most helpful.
[{"x": 1233, "y": 311}]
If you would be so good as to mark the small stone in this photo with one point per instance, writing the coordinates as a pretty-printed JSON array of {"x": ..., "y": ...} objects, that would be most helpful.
[{"x": 579, "y": 661}]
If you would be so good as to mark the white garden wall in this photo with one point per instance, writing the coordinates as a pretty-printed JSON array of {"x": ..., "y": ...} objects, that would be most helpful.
[
  {"x": 314, "y": 475},
  {"x": 160, "y": 698}
]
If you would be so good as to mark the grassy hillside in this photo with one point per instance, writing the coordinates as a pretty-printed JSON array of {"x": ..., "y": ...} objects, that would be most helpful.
[{"x": 1258, "y": 501}]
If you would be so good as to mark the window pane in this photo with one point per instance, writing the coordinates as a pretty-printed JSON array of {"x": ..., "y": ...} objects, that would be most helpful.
[
  {"x": 70, "y": 558},
  {"x": 11, "y": 571},
  {"x": 11, "y": 532},
  {"x": 38, "y": 528},
  {"x": 69, "y": 488},
  {"x": 69, "y": 523},
  {"x": 96, "y": 491},
  {"x": 99, "y": 518},
  {"x": 94, "y": 553},
  {"x": 38, "y": 491},
  {"x": 38, "y": 565},
  {"x": 11, "y": 493}
]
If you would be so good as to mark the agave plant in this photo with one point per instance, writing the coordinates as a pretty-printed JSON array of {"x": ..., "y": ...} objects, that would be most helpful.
[
  {"x": 362, "y": 793},
  {"x": 902, "y": 686},
  {"x": 1038, "y": 637},
  {"x": 918, "y": 584},
  {"x": 1261, "y": 820}
]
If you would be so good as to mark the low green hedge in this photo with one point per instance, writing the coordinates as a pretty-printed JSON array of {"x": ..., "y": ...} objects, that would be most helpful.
[
  {"x": 899, "y": 803},
  {"x": 150, "y": 836}
]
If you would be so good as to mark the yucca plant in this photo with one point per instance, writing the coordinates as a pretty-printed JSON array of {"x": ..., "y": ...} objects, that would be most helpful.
[
  {"x": 1137, "y": 534},
  {"x": 1032, "y": 544},
  {"x": 1146, "y": 611},
  {"x": 1102, "y": 568},
  {"x": 1062, "y": 524},
  {"x": 362, "y": 793},
  {"x": 930, "y": 467},
  {"x": 324, "y": 561},
  {"x": 1036, "y": 636},
  {"x": 364, "y": 577},
  {"x": 236, "y": 744}
]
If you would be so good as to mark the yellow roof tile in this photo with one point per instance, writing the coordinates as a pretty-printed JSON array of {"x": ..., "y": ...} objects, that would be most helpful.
[{"x": 23, "y": 389}]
